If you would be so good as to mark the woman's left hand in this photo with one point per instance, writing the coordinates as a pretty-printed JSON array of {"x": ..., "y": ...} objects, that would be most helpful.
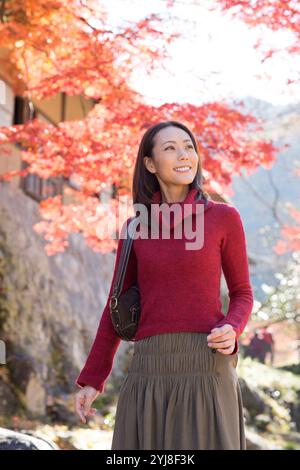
[{"x": 222, "y": 339}]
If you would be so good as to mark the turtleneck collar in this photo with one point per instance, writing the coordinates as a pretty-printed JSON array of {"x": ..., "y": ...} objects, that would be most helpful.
[
  {"x": 190, "y": 197},
  {"x": 191, "y": 201}
]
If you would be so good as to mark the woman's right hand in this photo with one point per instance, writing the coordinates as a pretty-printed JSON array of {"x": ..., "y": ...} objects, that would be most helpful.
[{"x": 83, "y": 400}]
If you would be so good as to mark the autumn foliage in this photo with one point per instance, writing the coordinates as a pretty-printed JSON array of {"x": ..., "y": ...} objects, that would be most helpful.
[{"x": 55, "y": 46}]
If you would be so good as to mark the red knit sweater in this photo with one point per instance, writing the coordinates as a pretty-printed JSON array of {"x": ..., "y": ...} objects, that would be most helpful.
[{"x": 180, "y": 288}]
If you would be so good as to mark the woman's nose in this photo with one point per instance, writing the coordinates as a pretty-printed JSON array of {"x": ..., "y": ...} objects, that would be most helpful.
[{"x": 182, "y": 156}]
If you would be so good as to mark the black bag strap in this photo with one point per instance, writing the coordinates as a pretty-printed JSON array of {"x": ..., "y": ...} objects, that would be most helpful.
[{"x": 124, "y": 258}]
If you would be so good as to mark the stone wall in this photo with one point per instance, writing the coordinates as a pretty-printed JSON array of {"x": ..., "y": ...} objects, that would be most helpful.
[{"x": 50, "y": 307}]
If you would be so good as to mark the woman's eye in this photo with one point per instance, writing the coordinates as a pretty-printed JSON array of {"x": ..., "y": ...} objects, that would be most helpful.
[{"x": 171, "y": 147}]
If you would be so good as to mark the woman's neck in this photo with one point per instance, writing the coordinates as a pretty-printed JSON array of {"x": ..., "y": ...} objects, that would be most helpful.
[{"x": 172, "y": 196}]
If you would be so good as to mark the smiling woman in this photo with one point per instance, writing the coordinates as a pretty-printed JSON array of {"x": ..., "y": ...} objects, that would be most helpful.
[
  {"x": 175, "y": 166},
  {"x": 165, "y": 152},
  {"x": 177, "y": 394}
]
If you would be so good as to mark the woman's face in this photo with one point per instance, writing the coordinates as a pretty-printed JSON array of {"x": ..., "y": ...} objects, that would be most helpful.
[{"x": 173, "y": 149}]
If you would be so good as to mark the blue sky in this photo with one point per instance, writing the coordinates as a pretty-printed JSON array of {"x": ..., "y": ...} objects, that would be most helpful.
[{"x": 214, "y": 59}]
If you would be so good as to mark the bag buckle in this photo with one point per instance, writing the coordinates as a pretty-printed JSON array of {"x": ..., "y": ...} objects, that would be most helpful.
[{"x": 113, "y": 299}]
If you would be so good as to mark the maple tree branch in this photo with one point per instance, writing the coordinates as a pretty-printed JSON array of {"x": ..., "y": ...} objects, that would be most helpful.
[
  {"x": 276, "y": 196},
  {"x": 272, "y": 207},
  {"x": 2, "y": 10}
]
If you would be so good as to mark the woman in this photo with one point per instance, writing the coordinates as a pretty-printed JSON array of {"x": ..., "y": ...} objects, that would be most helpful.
[{"x": 182, "y": 389}]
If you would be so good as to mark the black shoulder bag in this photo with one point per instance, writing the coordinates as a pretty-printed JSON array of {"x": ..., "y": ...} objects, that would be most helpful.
[{"x": 125, "y": 309}]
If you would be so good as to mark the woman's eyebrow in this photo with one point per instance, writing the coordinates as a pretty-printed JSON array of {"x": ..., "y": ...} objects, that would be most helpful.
[{"x": 174, "y": 141}]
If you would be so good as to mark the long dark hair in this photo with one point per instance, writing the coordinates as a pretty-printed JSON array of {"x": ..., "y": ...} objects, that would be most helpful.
[{"x": 145, "y": 184}]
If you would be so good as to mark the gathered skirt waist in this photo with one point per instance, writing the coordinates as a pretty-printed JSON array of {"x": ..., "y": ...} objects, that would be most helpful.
[{"x": 178, "y": 353}]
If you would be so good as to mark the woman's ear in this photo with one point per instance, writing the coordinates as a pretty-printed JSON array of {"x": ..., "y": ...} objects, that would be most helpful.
[{"x": 148, "y": 162}]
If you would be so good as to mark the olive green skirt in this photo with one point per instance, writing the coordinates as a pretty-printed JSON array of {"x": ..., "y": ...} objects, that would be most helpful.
[{"x": 179, "y": 395}]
